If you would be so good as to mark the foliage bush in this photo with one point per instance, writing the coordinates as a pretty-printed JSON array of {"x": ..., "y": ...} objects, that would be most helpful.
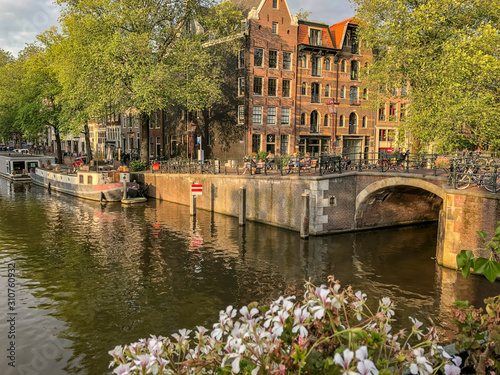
[
  {"x": 138, "y": 165},
  {"x": 330, "y": 331}
]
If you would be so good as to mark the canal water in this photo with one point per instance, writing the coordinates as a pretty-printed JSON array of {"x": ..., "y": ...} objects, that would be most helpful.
[{"x": 89, "y": 277}]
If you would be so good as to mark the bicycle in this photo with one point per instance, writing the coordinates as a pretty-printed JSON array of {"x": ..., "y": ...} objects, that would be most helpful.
[{"x": 489, "y": 180}]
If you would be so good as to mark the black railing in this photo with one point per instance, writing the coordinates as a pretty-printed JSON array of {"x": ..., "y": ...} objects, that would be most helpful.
[{"x": 462, "y": 172}]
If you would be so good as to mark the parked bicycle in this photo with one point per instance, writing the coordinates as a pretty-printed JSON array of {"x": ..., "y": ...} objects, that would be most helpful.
[{"x": 465, "y": 175}]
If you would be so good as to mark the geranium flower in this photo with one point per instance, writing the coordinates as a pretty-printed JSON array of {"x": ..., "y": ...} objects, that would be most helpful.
[
  {"x": 421, "y": 366},
  {"x": 344, "y": 361},
  {"x": 301, "y": 316}
]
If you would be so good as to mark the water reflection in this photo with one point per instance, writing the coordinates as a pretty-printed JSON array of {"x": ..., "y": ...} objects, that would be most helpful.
[{"x": 93, "y": 276}]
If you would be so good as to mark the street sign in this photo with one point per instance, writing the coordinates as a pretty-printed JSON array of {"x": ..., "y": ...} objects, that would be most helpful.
[{"x": 196, "y": 189}]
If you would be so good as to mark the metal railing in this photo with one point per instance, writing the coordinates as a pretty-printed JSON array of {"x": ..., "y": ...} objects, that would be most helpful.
[{"x": 458, "y": 171}]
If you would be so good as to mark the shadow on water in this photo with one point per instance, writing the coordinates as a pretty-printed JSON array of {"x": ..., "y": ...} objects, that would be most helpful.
[{"x": 94, "y": 276}]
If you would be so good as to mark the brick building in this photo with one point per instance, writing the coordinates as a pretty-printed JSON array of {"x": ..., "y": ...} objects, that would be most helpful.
[{"x": 294, "y": 87}]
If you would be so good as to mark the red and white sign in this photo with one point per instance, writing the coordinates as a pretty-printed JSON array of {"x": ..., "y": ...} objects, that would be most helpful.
[{"x": 196, "y": 189}]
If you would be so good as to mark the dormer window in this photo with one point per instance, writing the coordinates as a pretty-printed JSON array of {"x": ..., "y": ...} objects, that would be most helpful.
[
  {"x": 347, "y": 40},
  {"x": 275, "y": 4},
  {"x": 315, "y": 37}
]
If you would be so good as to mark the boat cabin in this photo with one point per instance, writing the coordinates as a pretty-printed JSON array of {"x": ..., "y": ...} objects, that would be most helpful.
[{"x": 17, "y": 166}]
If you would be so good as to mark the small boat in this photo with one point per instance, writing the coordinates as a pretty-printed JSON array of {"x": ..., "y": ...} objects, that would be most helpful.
[
  {"x": 134, "y": 200},
  {"x": 17, "y": 166},
  {"x": 94, "y": 185}
]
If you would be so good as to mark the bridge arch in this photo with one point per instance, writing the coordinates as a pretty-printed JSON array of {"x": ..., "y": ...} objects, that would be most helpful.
[{"x": 379, "y": 191}]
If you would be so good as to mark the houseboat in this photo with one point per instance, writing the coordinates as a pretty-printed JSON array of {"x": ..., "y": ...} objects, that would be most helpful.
[
  {"x": 17, "y": 166},
  {"x": 97, "y": 185}
]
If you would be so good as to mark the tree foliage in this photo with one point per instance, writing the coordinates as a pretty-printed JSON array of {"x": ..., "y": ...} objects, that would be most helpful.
[
  {"x": 145, "y": 55},
  {"x": 447, "y": 51}
]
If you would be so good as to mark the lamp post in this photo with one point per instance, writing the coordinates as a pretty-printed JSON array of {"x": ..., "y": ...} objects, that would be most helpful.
[{"x": 332, "y": 107}]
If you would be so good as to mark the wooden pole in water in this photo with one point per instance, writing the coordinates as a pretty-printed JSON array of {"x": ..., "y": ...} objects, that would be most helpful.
[
  {"x": 243, "y": 206},
  {"x": 192, "y": 206},
  {"x": 304, "y": 226},
  {"x": 124, "y": 190}
]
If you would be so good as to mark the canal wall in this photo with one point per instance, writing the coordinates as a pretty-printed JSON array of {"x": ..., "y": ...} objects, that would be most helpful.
[
  {"x": 465, "y": 212},
  {"x": 276, "y": 200}
]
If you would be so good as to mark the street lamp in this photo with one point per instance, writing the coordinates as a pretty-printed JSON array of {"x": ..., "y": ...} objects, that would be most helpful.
[{"x": 332, "y": 107}]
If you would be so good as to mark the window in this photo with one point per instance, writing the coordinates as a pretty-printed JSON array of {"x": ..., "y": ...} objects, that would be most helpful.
[
  {"x": 256, "y": 142},
  {"x": 272, "y": 87},
  {"x": 258, "y": 57},
  {"x": 347, "y": 40},
  {"x": 303, "y": 119},
  {"x": 326, "y": 121},
  {"x": 304, "y": 89},
  {"x": 365, "y": 94},
  {"x": 392, "y": 112},
  {"x": 354, "y": 70},
  {"x": 355, "y": 44},
  {"x": 315, "y": 92},
  {"x": 341, "y": 121},
  {"x": 89, "y": 180},
  {"x": 287, "y": 61},
  {"x": 402, "y": 112},
  {"x": 343, "y": 66},
  {"x": 257, "y": 85},
  {"x": 241, "y": 86},
  {"x": 275, "y": 27},
  {"x": 403, "y": 91},
  {"x": 271, "y": 115},
  {"x": 241, "y": 114},
  {"x": 273, "y": 59},
  {"x": 342, "y": 92},
  {"x": 285, "y": 116},
  {"x": 286, "y": 88},
  {"x": 353, "y": 123},
  {"x": 275, "y": 4},
  {"x": 158, "y": 146},
  {"x": 314, "y": 128},
  {"x": 327, "y": 64},
  {"x": 271, "y": 143},
  {"x": 365, "y": 121},
  {"x": 327, "y": 91},
  {"x": 381, "y": 114},
  {"x": 353, "y": 95},
  {"x": 81, "y": 179},
  {"x": 284, "y": 144},
  {"x": 257, "y": 115},
  {"x": 315, "y": 37},
  {"x": 316, "y": 66},
  {"x": 241, "y": 59},
  {"x": 304, "y": 62},
  {"x": 394, "y": 91}
]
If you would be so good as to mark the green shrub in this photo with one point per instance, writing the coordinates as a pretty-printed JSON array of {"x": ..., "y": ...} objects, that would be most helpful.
[{"x": 138, "y": 165}]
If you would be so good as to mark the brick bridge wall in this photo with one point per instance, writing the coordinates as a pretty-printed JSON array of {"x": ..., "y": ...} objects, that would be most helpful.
[{"x": 347, "y": 202}]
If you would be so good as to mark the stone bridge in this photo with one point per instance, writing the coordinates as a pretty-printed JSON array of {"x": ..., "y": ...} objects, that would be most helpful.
[{"x": 351, "y": 201}]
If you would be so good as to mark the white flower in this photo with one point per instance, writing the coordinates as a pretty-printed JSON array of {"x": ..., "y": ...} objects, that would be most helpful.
[
  {"x": 422, "y": 365},
  {"x": 345, "y": 361},
  {"x": 301, "y": 316},
  {"x": 367, "y": 367}
]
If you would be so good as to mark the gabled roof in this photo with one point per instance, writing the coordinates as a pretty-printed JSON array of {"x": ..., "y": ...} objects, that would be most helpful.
[
  {"x": 338, "y": 30},
  {"x": 245, "y": 6},
  {"x": 326, "y": 36}
]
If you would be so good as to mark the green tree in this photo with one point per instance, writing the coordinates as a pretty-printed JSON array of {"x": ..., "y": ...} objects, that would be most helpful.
[
  {"x": 145, "y": 55},
  {"x": 447, "y": 52}
]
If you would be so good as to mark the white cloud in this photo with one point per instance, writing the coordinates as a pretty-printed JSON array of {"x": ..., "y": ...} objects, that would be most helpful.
[
  {"x": 328, "y": 12},
  {"x": 21, "y": 21}
]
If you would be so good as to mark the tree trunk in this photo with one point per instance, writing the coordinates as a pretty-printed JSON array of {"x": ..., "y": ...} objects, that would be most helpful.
[
  {"x": 145, "y": 137},
  {"x": 87, "y": 142},
  {"x": 59, "y": 155}
]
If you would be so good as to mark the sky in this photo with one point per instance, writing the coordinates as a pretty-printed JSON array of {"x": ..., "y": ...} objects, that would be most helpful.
[{"x": 22, "y": 20}]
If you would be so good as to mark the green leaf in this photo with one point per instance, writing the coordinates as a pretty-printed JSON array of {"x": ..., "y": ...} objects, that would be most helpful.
[
  {"x": 465, "y": 261},
  {"x": 483, "y": 235},
  {"x": 461, "y": 304},
  {"x": 489, "y": 268}
]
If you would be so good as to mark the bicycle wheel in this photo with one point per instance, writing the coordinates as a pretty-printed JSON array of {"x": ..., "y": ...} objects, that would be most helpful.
[
  {"x": 383, "y": 165},
  {"x": 463, "y": 181},
  {"x": 488, "y": 182}
]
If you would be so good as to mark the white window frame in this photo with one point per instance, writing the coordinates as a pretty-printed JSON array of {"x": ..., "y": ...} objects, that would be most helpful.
[
  {"x": 241, "y": 114},
  {"x": 285, "y": 114},
  {"x": 289, "y": 61},
  {"x": 257, "y": 115},
  {"x": 272, "y": 114}
]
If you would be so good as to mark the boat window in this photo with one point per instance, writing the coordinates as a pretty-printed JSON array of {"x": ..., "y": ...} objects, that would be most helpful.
[
  {"x": 89, "y": 180},
  {"x": 81, "y": 179},
  {"x": 19, "y": 165}
]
